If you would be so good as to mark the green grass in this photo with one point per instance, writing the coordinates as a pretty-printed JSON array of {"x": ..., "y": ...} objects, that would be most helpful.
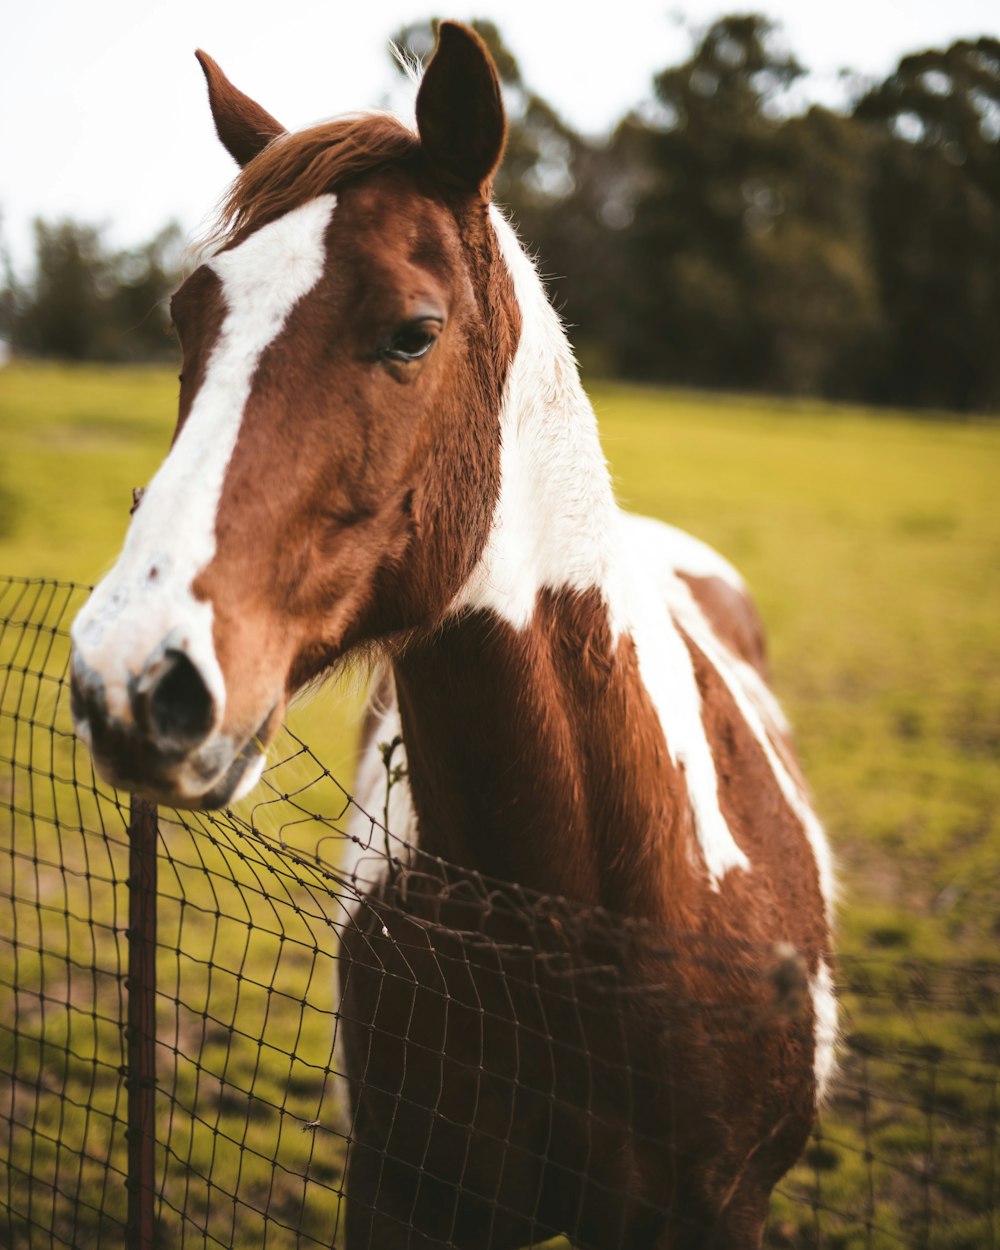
[
  {"x": 872, "y": 542},
  {"x": 75, "y": 441}
]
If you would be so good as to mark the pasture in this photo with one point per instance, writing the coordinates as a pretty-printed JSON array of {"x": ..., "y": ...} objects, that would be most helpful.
[{"x": 872, "y": 542}]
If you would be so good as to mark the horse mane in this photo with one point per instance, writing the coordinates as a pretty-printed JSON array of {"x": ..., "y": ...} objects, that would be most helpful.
[{"x": 298, "y": 166}]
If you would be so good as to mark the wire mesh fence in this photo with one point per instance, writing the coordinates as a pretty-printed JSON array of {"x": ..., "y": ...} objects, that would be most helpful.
[{"x": 472, "y": 1008}]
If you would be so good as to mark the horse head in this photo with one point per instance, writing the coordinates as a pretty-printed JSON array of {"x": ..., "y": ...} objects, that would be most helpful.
[{"x": 335, "y": 464}]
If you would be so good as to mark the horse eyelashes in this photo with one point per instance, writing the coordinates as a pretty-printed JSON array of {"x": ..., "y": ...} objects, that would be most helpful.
[{"x": 411, "y": 342}]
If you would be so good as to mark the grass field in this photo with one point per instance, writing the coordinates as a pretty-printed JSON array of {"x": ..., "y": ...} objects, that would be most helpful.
[{"x": 872, "y": 542}]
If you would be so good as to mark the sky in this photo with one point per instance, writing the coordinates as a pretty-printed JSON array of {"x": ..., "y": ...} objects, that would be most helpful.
[{"x": 103, "y": 113}]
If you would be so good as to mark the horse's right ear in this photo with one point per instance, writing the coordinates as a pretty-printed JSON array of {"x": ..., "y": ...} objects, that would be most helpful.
[
  {"x": 460, "y": 110},
  {"x": 243, "y": 126}
]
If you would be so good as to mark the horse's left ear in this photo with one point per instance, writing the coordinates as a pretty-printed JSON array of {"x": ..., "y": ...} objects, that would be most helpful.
[
  {"x": 460, "y": 110},
  {"x": 243, "y": 126}
]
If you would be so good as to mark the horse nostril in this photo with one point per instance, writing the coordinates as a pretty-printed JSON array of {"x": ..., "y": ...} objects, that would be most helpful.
[{"x": 179, "y": 704}]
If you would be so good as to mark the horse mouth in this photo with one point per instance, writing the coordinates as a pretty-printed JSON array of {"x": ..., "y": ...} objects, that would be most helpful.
[
  {"x": 240, "y": 777},
  {"x": 214, "y": 776}
]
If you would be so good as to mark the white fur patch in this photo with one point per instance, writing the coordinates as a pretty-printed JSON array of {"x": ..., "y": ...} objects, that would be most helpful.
[
  {"x": 146, "y": 601},
  {"x": 554, "y": 522},
  {"x": 648, "y": 547},
  {"x": 760, "y": 711},
  {"x": 825, "y": 1008},
  {"x": 685, "y": 553},
  {"x": 363, "y": 855}
]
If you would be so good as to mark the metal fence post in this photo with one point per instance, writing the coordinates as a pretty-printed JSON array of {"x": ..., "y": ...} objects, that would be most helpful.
[{"x": 140, "y": 1032}]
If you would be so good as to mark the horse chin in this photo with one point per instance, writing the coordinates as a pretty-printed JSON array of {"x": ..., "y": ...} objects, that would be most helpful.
[
  {"x": 205, "y": 781},
  {"x": 238, "y": 781}
]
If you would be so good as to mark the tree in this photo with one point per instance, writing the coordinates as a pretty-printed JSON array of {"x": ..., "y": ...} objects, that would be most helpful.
[
  {"x": 60, "y": 316},
  {"x": 83, "y": 302},
  {"x": 715, "y": 238},
  {"x": 935, "y": 216},
  {"x": 749, "y": 248},
  {"x": 138, "y": 318},
  {"x": 812, "y": 289},
  {"x": 711, "y": 178}
]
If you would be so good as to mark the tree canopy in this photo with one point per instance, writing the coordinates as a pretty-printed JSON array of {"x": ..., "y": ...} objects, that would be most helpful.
[
  {"x": 85, "y": 301},
  {"x": 717, "y": 237}
]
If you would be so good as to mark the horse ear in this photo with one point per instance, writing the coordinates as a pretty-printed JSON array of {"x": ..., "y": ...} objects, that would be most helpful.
[
  {"x": 460, "y": 110},
  {"x": 243, "y": 126}
]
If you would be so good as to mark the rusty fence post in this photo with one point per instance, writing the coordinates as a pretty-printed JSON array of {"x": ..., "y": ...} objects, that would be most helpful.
[{"x": 140, "y": 1032}]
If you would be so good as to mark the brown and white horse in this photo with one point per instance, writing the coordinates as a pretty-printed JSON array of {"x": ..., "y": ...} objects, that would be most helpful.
[{"x": 383, "y": 443}]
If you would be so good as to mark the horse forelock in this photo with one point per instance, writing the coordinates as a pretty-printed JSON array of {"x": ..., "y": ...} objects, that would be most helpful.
[{"x": 300, "y": 165}]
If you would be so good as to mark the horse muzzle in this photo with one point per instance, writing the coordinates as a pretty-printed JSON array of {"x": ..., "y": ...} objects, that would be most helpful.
[{"x": 158, "y": 734}]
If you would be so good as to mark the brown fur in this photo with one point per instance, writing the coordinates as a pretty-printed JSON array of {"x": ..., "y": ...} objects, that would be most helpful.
[
  {"x": 242, "y": 125},
  {"x": 197, "y": 313},
  {"x": 549, "y": 732},
  {"x": 535, "y": 756}
]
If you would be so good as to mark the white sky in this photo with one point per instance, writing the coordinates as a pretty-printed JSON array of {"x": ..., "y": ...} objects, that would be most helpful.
[{"x": 103, "y": 113}]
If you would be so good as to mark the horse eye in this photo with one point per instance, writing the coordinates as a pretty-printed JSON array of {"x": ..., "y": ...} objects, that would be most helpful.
[{"x": 411, "y": 341}]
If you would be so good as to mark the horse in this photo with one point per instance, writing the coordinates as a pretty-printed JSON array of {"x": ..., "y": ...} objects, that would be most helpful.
[{"x": 383, "y": 448}]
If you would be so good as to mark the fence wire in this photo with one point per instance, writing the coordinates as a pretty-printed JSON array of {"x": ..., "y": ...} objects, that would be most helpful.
[{"x": 465, "y": 1002}]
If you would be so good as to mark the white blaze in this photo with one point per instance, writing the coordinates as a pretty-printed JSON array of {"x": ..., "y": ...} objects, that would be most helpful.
[{"x": 147, "y": 599}]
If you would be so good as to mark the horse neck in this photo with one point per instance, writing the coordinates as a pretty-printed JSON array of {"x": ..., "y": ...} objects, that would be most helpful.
[
  {"x": 556, "y": 521},
  {"x": 534, "y": 751},
  {"x": 535, "y": 756}
]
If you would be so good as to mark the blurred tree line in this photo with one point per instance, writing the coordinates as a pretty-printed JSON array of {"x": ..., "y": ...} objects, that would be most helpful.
[
  {"x": 717, "y": 237},
  {"x": 87, "y": 302}
]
